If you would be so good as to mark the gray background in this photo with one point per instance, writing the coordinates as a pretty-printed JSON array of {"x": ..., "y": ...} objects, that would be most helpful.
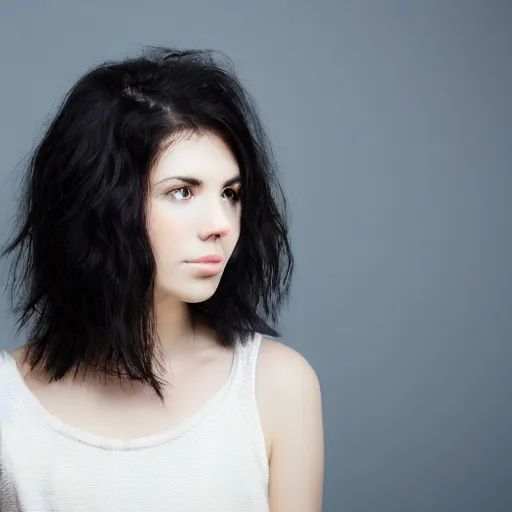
[{"x": 392, "y": 125}]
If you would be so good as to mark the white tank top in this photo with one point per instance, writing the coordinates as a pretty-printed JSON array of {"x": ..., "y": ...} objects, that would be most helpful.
[{"x": 213, "y": 461}]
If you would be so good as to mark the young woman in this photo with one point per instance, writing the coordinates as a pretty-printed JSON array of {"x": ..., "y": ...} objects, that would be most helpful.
[{"x": 152, "y": 259}]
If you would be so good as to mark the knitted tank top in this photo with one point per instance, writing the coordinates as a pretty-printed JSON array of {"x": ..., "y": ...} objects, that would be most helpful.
[{"x": 213, "y": 461}]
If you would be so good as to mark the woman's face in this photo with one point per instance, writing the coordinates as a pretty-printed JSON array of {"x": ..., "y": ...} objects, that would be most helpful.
[{"x": 194, "y": 213}]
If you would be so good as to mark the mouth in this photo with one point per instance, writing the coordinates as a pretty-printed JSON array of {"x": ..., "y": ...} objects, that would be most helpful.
[
  {"x": 205, "y": 269},
  {"x": 209, "y": 259}
]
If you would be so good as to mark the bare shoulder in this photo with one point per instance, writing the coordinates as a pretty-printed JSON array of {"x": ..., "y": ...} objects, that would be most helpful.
[
  {"x": 284, "y": 370},
  {"x": 291, "y": 404},
  {"x": 286, "y": 383}
]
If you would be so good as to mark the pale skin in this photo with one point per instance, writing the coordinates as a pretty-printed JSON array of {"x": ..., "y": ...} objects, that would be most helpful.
[{"x": 188, "y": 218}]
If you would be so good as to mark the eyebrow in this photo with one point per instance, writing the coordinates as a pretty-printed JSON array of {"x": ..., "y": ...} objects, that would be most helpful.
[{"x": 195, "y": 182}]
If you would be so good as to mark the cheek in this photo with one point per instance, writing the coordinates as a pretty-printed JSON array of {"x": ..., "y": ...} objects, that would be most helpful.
[
  {"x": 167, "y": 234},
  {"x": 235, "y": 232}
]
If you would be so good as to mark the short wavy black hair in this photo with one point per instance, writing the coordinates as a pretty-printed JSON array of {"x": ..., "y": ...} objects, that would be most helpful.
[{"x": 87, "y": 277}]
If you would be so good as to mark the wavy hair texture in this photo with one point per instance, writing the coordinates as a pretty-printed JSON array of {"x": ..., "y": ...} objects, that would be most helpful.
[{"x": 84, "y": 271}]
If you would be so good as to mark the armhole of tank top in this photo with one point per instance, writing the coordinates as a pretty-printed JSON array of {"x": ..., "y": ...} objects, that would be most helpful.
[{"x": 262, "y": 441}]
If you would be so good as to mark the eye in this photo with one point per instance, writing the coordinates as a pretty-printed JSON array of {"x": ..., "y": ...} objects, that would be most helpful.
[
  {"x": 233, "y": 193},
  {"x": 180, "y": 194}
]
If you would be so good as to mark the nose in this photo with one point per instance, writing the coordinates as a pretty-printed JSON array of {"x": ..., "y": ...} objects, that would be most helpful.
[{"x": 216, "y": 223}]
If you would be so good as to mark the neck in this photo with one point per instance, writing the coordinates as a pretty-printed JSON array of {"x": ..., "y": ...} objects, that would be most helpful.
[{"x": 174, "y": 325}]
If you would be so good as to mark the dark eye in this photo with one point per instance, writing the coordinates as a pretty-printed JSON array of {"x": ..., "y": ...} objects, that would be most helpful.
[
  {"x": 232, "y": 194},
  {"x": 180, "y": 194}
]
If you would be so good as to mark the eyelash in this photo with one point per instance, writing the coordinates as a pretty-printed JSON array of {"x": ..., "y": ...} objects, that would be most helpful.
[{"x": 234, "y": 199}]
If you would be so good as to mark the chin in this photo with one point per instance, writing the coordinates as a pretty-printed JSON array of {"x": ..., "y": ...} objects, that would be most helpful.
[{"x": 193, "y": 293}]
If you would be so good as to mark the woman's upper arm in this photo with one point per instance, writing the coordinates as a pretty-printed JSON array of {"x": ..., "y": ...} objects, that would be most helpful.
[{"x": 293, "y": 407}]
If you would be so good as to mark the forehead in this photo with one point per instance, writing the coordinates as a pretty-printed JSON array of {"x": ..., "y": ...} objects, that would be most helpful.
[{"x": 202, "y": 156}]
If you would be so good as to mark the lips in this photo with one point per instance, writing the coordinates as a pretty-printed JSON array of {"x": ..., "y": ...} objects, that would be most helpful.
[{"x": 208, "y": 258}]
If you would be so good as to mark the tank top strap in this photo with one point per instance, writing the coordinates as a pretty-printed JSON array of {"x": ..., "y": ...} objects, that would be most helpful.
[
  {"x": 7, "y": 375},
  {"x": 7, "y": 367},
  {"x": 247, "y": 356},
  {"x": 246, "y": 405},
  {"x": 5, "y": 358}
]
